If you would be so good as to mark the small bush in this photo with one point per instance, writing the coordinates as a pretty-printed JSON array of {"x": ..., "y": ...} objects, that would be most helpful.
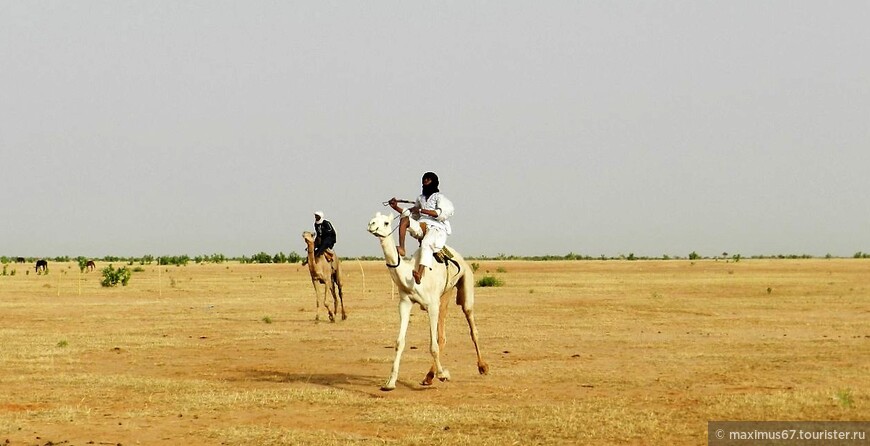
[
  {"x": 475, "y": 266},
  {"x": 112, "y": 276},
  {"x": 487, "y": 281},
  {"x": 267, "y": 319}
]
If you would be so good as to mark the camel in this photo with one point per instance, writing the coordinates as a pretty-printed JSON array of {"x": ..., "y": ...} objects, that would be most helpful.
[
  {"x": 325, "y": 276},
  {"x": 432, "y": 297},
  {"x": 91, "y": 265}
]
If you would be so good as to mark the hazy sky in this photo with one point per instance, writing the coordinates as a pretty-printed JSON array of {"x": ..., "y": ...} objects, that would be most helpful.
[{"x": 594, "y": 127}]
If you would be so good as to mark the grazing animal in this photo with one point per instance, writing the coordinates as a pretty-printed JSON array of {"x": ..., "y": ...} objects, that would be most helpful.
[
  {"x": 432, "y": 296},
  {"x": 91, "y": 265},
  {"x": 325, "y": 275},
  {"x": 41, "y": 265},
  {"x": 20, "y": 260}
]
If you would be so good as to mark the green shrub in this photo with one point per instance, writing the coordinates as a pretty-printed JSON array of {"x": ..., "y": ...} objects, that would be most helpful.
[
  {"x": 112, "y": 276},
  {"x": 174, "y": 260},
  {"x": 486, "y": 281},
  {"x": 262, "y": 257}
]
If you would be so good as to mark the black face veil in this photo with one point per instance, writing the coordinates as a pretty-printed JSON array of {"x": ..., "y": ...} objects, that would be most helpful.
[{"x": 432, "y": 187}]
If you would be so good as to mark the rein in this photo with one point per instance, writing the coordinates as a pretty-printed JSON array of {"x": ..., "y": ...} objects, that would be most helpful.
[{"x": 398, "y": 262}]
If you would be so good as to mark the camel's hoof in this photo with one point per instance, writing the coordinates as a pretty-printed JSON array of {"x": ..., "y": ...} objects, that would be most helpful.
[
  {"x": 331, "y": 318},
  {"x": 344, "y": 317},
  {"x": 427, "y": 381},
  {"x": 483, "y": 369},
  {"x": 388, "y": 387},
  {"x": 444, "y": 376}
]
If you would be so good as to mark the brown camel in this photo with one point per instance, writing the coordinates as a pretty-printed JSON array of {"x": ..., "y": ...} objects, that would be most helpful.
[{"x": 325, "y": 275}]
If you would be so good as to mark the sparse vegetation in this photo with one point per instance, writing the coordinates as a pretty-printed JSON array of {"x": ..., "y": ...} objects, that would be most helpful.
[
  {"x": 186, "y": 364},
  {"x": 489, "y": 281},
  {"x": 844, "y": 397},
  {"x": 112, "y": 277},
  {"x": 83, "y": 263}
]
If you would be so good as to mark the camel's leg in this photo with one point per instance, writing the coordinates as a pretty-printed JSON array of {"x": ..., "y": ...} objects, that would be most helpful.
[
  {"x": 316, "y": 300},
  {"x": 337, "y": 280},
  {"x": 465, "y": 299},
  {"x": 405, "y": 305},
  {"x": 332, "y": 311},
  {"x": 324, "y": 271},
  {"x": 440, "y": 372},
  {"x": 442, "y": 337},
  {"x": 320, "y": 290}
]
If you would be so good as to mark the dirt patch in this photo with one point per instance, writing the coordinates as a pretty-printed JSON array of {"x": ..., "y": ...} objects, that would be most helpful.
[{"x": 579, "y": 352}]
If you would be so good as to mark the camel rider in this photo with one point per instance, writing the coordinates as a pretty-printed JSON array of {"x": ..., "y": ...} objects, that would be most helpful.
[
  {"x": 427, "y": 222},
  {"x": 325, "y": 239}
]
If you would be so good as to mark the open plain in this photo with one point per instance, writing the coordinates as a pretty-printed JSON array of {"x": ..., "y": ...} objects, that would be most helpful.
[{"x": 580, "y": 352}]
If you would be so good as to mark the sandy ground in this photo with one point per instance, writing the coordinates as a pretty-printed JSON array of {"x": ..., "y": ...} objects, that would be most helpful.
[{"x": 581, "y": 352}]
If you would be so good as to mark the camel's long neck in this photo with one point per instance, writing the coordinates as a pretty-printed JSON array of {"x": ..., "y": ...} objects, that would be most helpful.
[
  {"x": 391, "y": 255},
  {"x": 311, "y": 263}
]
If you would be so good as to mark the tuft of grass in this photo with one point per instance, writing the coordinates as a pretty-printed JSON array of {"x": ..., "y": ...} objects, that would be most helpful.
[
  {"x": 267, "y": 319},
  {"x": 500, "y": 269},
  {"x": 844, "y": 397},
  {"x": 475, "y": 266},
  {"x": 487, "y": 281},
  {"x": 63, "y": 344}
]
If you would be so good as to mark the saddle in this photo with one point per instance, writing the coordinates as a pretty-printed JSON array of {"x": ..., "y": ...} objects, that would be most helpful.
[
  {"x": 445, "y": 255},
  {"x": 329, "y": 255}
]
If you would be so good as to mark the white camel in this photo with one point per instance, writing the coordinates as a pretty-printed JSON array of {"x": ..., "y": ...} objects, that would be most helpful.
[
  {"x": 432, "y": 296},
  {"x": 325, "y": 276}
]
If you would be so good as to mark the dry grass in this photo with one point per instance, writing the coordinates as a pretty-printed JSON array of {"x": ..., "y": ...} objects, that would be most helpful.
[{"x": 612, "y": 352}]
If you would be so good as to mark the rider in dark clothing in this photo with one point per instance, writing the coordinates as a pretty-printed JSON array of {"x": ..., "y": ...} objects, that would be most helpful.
[{"x": 325, "y": 234}]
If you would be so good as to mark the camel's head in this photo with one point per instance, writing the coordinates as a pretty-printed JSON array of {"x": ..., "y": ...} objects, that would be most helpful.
[
  {"x": 380, "y": 225},
  {"x": 308, "y": 236}
]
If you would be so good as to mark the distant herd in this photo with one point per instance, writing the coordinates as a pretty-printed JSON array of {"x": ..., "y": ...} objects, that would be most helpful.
[{"x": 42, "y": 264}]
